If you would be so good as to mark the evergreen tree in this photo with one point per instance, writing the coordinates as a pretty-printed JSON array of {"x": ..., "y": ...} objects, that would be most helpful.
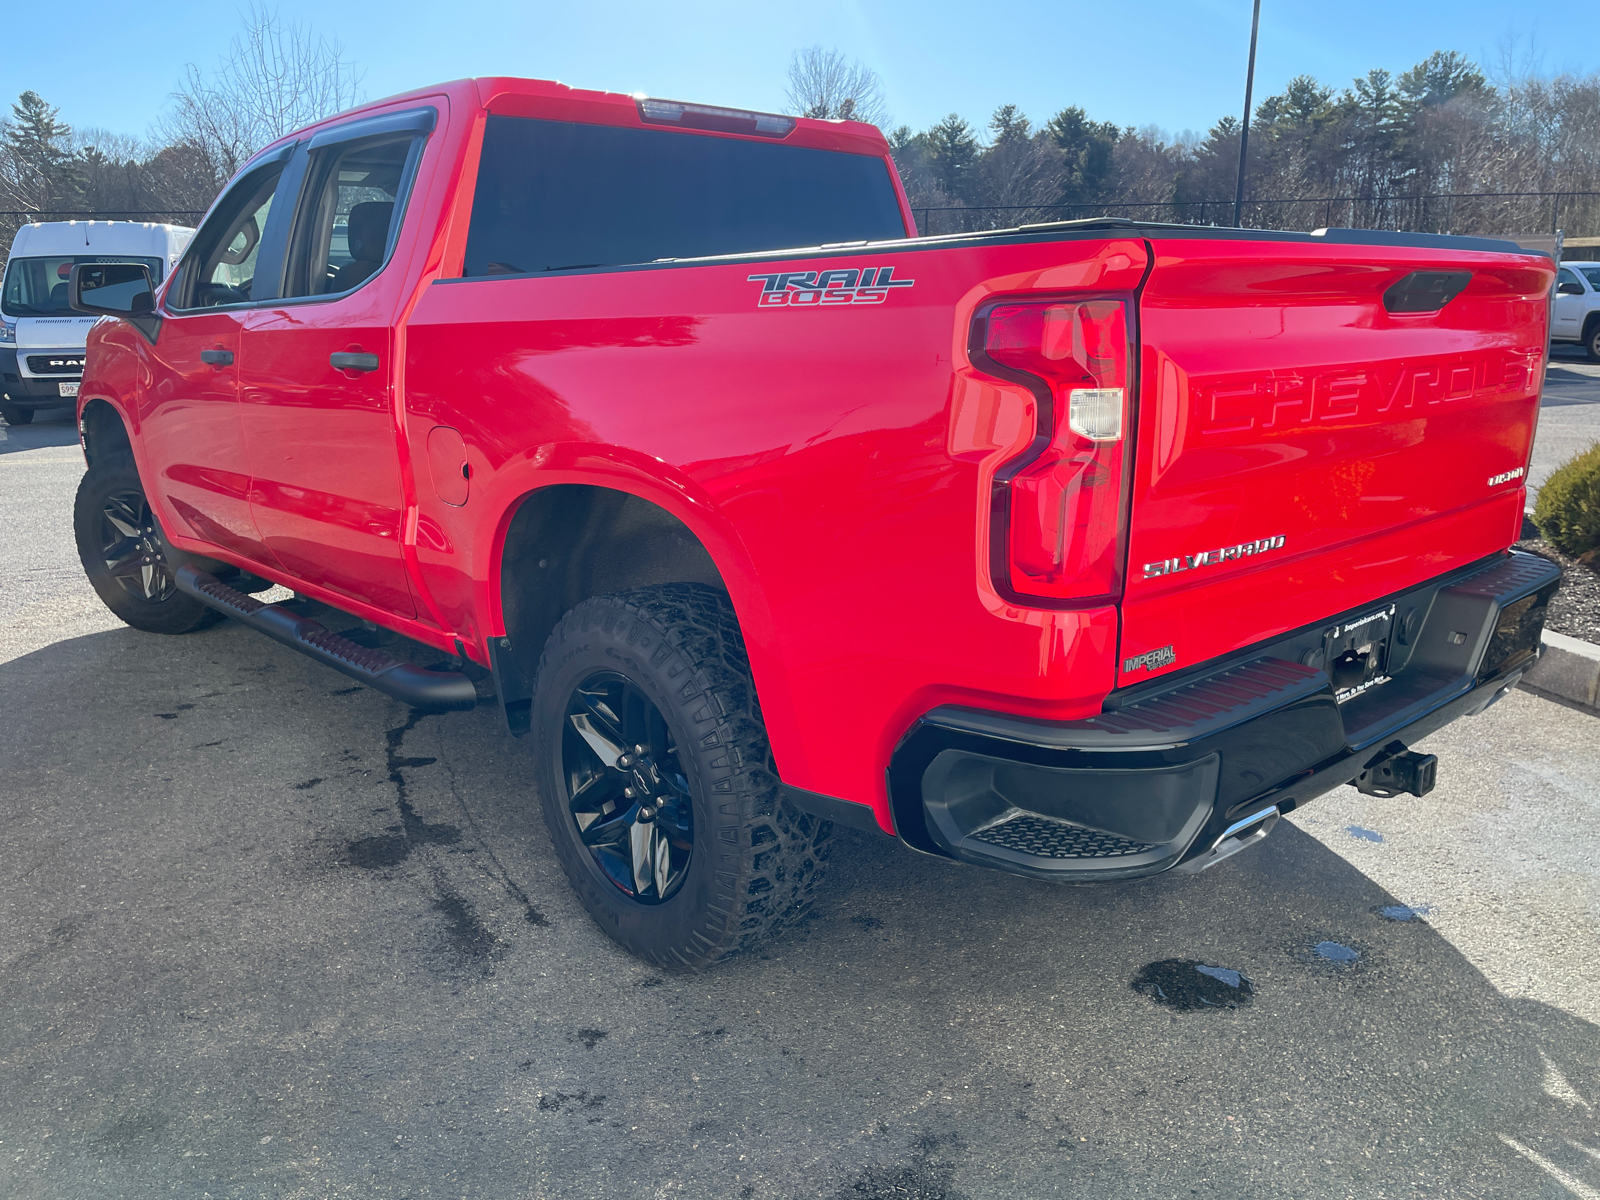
[
  {"x": 952, "y": 150},
  {"x": 39, "y": 145},
  {"x": 1086, "y": 148}
]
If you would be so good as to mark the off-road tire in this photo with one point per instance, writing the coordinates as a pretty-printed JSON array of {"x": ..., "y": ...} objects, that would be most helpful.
[
  {"x": 757, "y": 860},
  {"x": 111, "y": 477},
  {"x": 16, "y": 415}
]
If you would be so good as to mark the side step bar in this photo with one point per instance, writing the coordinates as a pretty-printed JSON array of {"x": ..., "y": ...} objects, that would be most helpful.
[{"x": 430, "y": 691}]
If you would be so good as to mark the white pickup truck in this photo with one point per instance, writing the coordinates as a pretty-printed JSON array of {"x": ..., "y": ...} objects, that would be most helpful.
[
  {"x": 41, "y": 337},
  {"x": 1575, "y": 315}
]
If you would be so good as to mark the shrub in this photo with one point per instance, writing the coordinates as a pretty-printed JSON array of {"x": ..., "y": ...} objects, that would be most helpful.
[{"x": 1568, "y": 511}]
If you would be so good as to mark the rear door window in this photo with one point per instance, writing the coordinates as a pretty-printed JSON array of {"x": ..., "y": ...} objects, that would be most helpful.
[
  {"x": 354, "y": 201},
  {"x": 556, "y": 196}
]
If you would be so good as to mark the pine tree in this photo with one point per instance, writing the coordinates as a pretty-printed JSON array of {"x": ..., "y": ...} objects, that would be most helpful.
[
  {"x": 1086, "y": 148},
  {"x": 952, "y": 153},
  {"x": 39, "y": 144}
]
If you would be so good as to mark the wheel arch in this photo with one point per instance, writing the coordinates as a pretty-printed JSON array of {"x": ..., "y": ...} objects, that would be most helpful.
[
  {"x": 576, "y": 536},
  {"x": 102, "y": 430}
]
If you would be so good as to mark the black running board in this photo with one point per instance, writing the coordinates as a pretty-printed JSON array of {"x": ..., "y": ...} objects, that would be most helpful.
[{"x": 430, "y": 691}]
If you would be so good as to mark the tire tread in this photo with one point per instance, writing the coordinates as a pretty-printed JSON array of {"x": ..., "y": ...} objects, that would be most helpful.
[{"x": 770, "y": 856}]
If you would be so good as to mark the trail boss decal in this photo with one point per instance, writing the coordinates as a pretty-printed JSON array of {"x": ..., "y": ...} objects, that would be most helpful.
[
  {"x": 1188, "y": 562},
  {"x": 841, "y": 285}
]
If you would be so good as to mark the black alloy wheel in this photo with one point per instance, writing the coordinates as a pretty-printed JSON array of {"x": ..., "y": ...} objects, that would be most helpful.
[
  {"x": 131, "y": 545},
  {"x": 625, "y": 789},
  {"x": 656, "y": 778},
  {"x": 125, "y": 553}
]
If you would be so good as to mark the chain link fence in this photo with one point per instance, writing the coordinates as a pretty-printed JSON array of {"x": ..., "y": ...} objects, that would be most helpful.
[{"x": 1484, "y": 213}]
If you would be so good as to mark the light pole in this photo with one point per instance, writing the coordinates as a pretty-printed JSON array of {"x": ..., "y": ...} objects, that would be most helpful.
[{"x": 1244, "y": 130}]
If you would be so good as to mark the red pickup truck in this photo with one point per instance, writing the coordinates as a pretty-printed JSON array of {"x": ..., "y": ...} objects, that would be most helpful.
[{"x": 1080, "y": 550}]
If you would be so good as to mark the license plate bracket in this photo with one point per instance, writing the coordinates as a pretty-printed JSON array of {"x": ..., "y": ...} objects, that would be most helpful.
[{"x": 1356, "y": 652}]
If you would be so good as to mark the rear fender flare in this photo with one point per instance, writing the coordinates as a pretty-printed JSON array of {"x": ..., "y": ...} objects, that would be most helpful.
[{"x": 648, "y": 479}]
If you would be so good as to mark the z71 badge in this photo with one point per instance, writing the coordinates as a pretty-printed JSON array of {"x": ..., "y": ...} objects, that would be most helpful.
[{"x": 807, "y": 289}]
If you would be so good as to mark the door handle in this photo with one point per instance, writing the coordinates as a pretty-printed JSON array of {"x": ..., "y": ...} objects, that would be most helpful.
[
  {"x": 344, "y": 360},
  {"x": 217, "y": 358}
]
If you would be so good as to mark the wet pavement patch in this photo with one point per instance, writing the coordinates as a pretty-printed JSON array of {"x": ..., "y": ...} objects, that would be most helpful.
[
  {"x": 1189, "y": 985},
  {"x": 466, "y": 939},
  {"x": 375, "y": 853},
  {"x": 559, "y": 1101},
  {"x": 1336, "y": 953},
  {"x": 128, "y": 1133},
  {"x": 1404, "y": 912},
  {"x": 591, "y": 1037},
  {"x": 1366, "y": 835},
  {"x": 928, "y": 1177}
]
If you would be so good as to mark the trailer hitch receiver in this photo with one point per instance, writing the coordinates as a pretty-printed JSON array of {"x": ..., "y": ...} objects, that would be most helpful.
[{"x": 1399, "y": 773}]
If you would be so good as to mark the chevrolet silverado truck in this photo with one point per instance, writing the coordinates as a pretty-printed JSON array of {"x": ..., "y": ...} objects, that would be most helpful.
[{"x": 1080, "y": 550}]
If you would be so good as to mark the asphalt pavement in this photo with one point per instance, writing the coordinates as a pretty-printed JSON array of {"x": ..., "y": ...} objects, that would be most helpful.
[
  {"x": 1569, "y": 417},
  {"x": 265, "y": 933}
]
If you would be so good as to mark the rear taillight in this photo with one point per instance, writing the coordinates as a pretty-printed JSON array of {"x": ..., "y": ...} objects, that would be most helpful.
[{"x": 1062, "y": 499}]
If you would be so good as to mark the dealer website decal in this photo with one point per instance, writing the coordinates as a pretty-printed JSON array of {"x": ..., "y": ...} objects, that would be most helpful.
[
  {"x": 1163, "y": 657},
  {"x": 804, "y": 289}
]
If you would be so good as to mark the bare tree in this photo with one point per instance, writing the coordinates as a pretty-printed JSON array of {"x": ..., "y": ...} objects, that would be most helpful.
[
  {"x": 825, "y": 85},
  {"x": 276, "y": 77}
]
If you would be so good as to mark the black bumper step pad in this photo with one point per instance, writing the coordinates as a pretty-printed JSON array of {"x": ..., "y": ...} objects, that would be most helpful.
[{"x": 1044, "y": 838}]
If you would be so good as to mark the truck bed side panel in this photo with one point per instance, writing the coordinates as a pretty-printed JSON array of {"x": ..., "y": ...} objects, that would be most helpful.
[{"x": 813, "y": 440}]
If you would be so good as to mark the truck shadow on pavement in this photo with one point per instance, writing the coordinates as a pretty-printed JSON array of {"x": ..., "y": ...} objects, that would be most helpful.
[
  {"x": 264, "y": 931},
  {"x": 49, "y": 428}
]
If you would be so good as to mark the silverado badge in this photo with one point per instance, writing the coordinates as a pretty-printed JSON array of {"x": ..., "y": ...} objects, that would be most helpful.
[{"x": 1206, "y": 558}]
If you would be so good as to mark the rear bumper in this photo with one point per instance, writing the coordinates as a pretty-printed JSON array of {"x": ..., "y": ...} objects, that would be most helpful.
[{"x": 1171, "y": 771}]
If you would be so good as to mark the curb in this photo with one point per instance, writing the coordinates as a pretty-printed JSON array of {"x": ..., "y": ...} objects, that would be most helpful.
[{"x": 1568, "y": 669}]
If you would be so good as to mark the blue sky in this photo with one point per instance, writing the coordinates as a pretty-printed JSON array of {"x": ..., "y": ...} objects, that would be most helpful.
[{"x": 1178, "y": 64}]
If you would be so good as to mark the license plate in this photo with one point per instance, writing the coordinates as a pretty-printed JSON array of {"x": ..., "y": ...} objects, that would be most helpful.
[
  {"x": 68, "y": 389},
  {"x": 1357, "y": 653}
]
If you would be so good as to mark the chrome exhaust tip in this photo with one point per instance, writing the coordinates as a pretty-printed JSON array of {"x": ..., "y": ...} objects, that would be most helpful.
[{"x": 1234, "y": 838}]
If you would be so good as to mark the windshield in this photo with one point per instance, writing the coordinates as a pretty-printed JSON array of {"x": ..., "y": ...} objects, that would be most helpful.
[
  {"x": 37, "y": 287},
  {"x": 1593, "y": 275}
]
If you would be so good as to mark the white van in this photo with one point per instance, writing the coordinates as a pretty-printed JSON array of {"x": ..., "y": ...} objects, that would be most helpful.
[{"x": 41, "y": 338}]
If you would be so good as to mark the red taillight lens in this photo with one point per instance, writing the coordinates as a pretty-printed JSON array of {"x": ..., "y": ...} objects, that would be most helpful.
[{"x": 1065, "y": 502}]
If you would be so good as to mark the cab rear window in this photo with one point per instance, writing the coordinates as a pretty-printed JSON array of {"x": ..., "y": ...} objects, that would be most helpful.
[{"x": 558, "y": 196}]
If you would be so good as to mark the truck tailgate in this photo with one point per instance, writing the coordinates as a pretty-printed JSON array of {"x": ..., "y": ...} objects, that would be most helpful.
[{"x": 1305, "y": 447}]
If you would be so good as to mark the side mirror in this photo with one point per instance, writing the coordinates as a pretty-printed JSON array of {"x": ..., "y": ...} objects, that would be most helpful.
[
  {"x": 116, "y": 290},
  {"x": 1569, "y": 289}
]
